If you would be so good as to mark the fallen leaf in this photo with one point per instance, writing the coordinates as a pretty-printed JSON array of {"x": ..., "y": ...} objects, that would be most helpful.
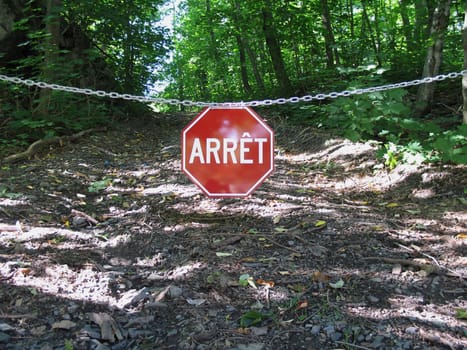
[
  {"x": 319, "y": 276},
  {"x": 392, "y": 205},
  {"x": 25, "y": 271},
  {"x": 243, "y": 331},
  {"x": 110, "y": 330},
  {"x": 302, "y": 304},
  {"x": 195, "y": 302},
  {"x": 276, "y": 219},
  {"x": 222, "y": 254},
  {"x": 299, "y": 288},
  {"x": 280, "y": 229},
  {"x": 262, "y": 282},
  {"x": 257, "y": 331},
  {"x": 246, "y": 279},
  {"x": 320, "y": 223},
  {"x": 63, "y": 324},
  {"x": 248, "y": 259},
  {"x": 339, "y": 284},
  {"x": 396, "y": 269},
  {"x": 462, "y": 236}
]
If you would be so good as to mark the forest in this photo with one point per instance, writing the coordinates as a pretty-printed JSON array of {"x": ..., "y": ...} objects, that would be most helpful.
[
  {"x": 228, "y": 51},
  {"x": 355, "y": 239}
]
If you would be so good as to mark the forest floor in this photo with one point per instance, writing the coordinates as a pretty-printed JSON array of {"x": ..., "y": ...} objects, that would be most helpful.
[{"x": 105, "y": 244}]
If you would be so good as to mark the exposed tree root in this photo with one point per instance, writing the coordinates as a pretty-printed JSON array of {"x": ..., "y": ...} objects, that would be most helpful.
[{"x": 39, "y": 144}]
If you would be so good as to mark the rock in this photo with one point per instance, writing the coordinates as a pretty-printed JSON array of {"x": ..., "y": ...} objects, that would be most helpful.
[
  {"x": 172, "y": 332},
  {"x": 411, "y": 330},
  {"x": 175, "y": 292},
  {"x": 133, "y": 297},
  {"x": 329, "y": 330},
  {"x": 101, "y": 346},
  {"x": 340, "y": 325},
  {"x": 378, "y": 341},
  {"x": 257, "y": 331},
  {"x": 315, "y": 330},
  {"x": 91, "y": 332},
  {"x": 335, "y": 336},
  {"x": 373, "y": 299},
  {"x": 64, "y": 324},
  {"x": 39, "y": 331}
]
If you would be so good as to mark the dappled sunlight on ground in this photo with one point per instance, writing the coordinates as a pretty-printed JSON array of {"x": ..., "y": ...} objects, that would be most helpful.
[{"x": 329, "y": 244}]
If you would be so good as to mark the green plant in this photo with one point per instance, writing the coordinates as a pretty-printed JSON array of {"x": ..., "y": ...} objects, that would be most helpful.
[
  {"x": 253, "y": 317},
  {"x": 451, "y": 145},
  {"x": 100, "y": 185},
  {"x": 68, "y": 344}
]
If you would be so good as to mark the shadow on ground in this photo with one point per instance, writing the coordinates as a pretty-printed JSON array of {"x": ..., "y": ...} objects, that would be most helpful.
[{"x": 105, "y": 244}]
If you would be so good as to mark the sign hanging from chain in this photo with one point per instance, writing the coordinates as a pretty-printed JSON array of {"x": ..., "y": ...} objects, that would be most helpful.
[{"x": 227, "y": 152}]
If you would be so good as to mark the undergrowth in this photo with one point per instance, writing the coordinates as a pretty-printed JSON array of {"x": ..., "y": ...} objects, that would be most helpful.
[{"x": 386, "y": 117}]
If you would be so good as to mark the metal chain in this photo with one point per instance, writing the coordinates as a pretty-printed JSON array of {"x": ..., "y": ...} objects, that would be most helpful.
[{"x": 254, "y": 103}]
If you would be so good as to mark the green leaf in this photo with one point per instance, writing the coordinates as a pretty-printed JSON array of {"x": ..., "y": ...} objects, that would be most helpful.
[
  {"x": 252, "y": 318},
  {"x": 461, "y": 314},
  {"x": 245, "y": 280},
  {"x": 339, "y": 284}
]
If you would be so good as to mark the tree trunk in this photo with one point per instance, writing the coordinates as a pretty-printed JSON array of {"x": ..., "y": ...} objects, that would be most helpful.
[
  {"x": 241, "y": 48},
  {"x": 421, "y": 27},
  {"x": 243, "y": 70},
  {"x": 464, "y": 78},
  {"x": 433, "y": 57},
  {"x": 254, "y": 66},
  {"x": 366, "y": 20},
  {"x": 51, "y": 52},
  {"x": 332, "y": 57},
  {"x": 275, "y": 51},
  {"x": 406, "y": 24}
]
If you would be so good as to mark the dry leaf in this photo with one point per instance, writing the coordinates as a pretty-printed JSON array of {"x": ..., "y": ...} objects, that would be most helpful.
[
  {"x": 262, "y": 282},
  {"x": 63, "y": 324},
  {"x": 110, "y": 330},
  {"x": 318, "y": 276},
  {"x": 25, "y": 271}
]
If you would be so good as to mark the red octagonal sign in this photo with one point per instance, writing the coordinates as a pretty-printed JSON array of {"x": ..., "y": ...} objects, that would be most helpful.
[{"x": 227, "y": 152}]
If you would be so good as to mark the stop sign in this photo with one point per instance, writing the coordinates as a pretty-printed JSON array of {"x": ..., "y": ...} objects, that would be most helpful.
[{"x": 227, "y": 152}]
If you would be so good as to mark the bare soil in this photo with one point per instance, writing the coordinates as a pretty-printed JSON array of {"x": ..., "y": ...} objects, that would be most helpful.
[{"x": 105, "y": 244}]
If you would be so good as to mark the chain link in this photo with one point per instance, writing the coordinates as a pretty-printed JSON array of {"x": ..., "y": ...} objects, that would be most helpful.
[{"x": 253, "y": 103}]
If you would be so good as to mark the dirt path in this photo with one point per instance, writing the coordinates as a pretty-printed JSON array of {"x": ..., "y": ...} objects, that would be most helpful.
[{"x": 105, "y": 244}]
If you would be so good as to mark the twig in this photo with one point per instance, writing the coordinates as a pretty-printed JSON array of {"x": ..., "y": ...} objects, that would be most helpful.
[
  {"x": 405, "y": 262},
  {"x": 352, "y": 345},
  {"x": 35, "y": 146},
  {"x": 17, "y": 316},
  {"x": 85, "y": 216},
  {"x": 451, "y": 273},
  {"x": 278, "y": 244}
]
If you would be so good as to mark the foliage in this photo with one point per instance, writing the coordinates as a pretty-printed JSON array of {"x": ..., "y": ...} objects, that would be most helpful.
[
  {"x": 385, "y": 117},
  {"x": 220, "y": 49},
  {"x": 75, "y": 57},
  {"x": 253, "y": 317}
]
